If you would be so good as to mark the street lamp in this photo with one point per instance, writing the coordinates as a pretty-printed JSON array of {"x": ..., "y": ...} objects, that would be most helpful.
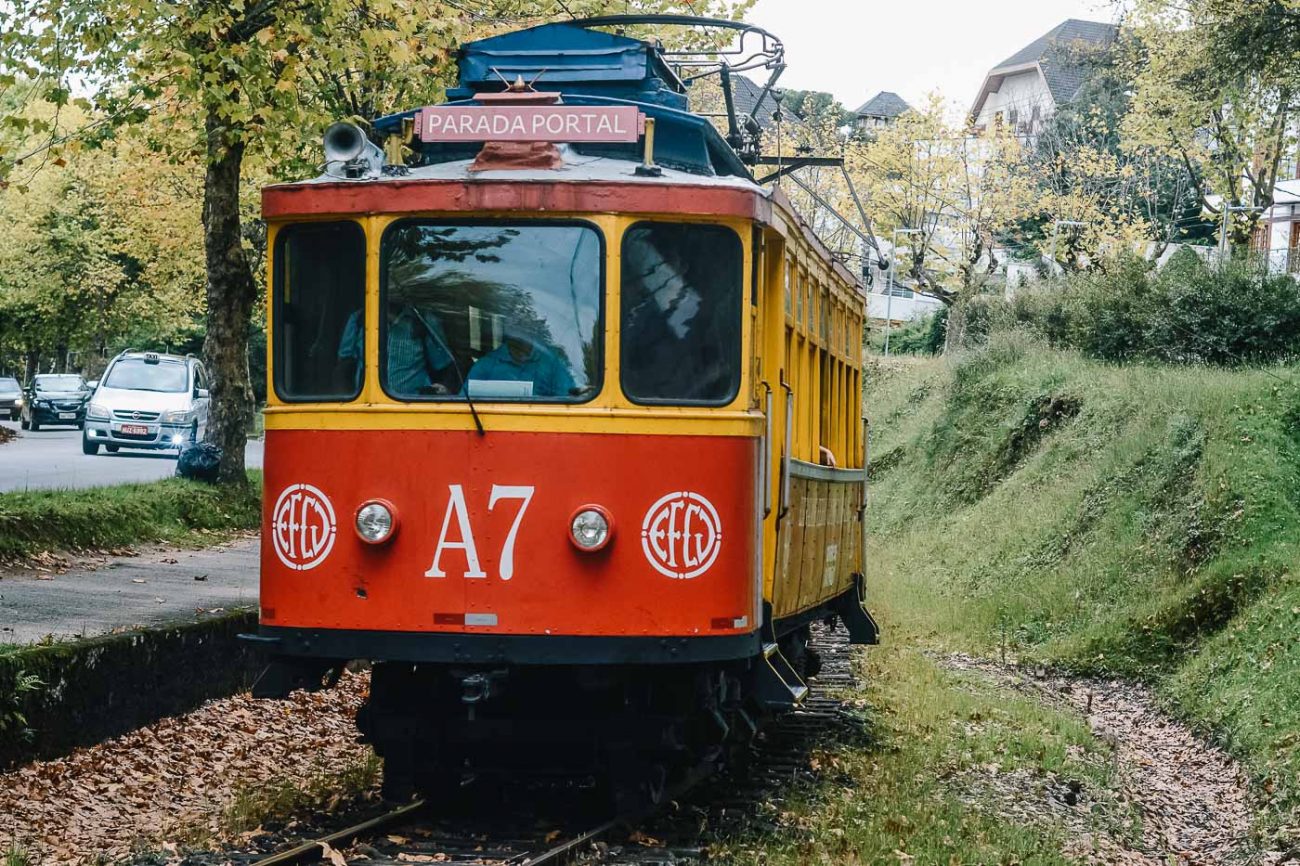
[{"x": 889, "y": 294}]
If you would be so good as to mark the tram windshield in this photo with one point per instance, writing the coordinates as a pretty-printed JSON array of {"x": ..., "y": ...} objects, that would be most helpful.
[{"x": 491, "y": 311}]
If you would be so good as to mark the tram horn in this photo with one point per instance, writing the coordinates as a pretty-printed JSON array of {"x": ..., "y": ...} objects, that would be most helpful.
[{"x": 348, "y": 149}]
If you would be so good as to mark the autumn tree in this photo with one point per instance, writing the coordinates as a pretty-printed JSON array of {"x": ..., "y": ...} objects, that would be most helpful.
[
  {"x": 1099, "y": 193},
  {"x": 817, "y": 106},
  {"x": 908, "y": 174},
  {"x": 992, "y": 190},
  {"x": 100, "y": 253},
  {"x": 1216, "y": 88},
  {"x": 251, "y": 82}
]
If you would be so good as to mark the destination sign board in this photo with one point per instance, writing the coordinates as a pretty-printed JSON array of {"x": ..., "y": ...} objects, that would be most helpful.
[{"x": 567, "y": 123}]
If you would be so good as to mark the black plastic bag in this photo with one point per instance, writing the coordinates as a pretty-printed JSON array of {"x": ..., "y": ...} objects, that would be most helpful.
[{"x": 199, "y": 461}]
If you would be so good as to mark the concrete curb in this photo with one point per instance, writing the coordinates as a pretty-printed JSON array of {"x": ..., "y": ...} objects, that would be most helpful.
[{"x": 93, "y": 689}]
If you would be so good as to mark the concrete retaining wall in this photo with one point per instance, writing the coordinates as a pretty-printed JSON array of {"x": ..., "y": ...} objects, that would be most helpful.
[{"x": 94, "y": 689}]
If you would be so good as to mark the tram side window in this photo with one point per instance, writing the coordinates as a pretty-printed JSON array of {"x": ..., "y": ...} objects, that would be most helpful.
[
  {"x": 320, "y": 289},
  {"x": 491, "y": 311},
  {"x": 681, "y": 319}
]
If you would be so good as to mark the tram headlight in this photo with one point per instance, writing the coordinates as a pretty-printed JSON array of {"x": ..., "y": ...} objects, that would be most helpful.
[
  {"x": 590, "y": 528},
  {"x": 376, "y": 521}
]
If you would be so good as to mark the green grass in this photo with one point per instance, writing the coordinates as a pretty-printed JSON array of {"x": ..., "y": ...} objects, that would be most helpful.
[
  {"x": 15, "y": 856},
  {"x": 1134, "y": 520},
  {"x": 100, "y": 518},
  {"x": 282, "y": 800}
]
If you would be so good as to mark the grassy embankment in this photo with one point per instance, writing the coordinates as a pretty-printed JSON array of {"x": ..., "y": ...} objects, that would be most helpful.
[
  {"x": 1134, "y": 520},
  {"x": 1139, "y": 520},
  {"x": 102, "y": 518}
]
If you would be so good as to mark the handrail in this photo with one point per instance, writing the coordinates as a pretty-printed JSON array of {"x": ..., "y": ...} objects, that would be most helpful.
[
  {"x": 767, "y": 450},
  {"x": 787, "y": 447}
]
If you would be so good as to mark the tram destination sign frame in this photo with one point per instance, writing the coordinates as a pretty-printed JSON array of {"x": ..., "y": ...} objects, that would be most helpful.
[{"x": 556, "y": 123}]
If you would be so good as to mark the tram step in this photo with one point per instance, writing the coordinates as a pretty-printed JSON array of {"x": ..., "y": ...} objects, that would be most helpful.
[{"x": 778, "y": 685}]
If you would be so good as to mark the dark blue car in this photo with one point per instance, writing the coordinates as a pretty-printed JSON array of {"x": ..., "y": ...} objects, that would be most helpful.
[{"x": 55, "y": 398}]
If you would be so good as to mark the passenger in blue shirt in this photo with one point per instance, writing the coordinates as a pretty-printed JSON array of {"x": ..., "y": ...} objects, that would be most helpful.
[
  {"x": 419, "y": 362},
  {"x": 523, "y": 358}
]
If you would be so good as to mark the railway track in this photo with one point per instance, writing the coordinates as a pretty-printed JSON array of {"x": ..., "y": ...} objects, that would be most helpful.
[{"x": 718, "y": 805}]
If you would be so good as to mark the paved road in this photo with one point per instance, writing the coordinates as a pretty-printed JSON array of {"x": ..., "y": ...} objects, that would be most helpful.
[
  {"x": 160, "y": 585},
  {"x": 52, "y": 458}
]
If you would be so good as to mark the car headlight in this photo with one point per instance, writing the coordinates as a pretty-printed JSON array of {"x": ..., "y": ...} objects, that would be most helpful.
[
  {"x": 177, "y": 416},
  {"x": 590, "y": 528},
  {"x": 97, "y": 412},
  {"x": 376, "y": 521},
  {"x": 18, "y": 402}
]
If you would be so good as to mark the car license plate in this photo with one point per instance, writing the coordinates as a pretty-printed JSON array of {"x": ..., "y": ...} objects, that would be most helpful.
[
  {"x": 67, "y": 416},
  {"x": 135, "y": 430}
]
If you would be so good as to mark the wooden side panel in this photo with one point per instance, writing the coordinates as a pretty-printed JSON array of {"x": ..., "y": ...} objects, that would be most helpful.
[
  {"x": 819, "y": 546},
  {"x": 785, "y": 589},
  {"x": 814, "y": 552},
  {"x": 833, "y": 559}
]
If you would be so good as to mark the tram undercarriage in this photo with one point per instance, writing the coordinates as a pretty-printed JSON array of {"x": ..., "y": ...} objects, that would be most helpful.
[{"x": 634, "y": 730}]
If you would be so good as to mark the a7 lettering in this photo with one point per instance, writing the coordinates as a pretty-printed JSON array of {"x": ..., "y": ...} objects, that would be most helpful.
[{"x": 457, "y": 510}]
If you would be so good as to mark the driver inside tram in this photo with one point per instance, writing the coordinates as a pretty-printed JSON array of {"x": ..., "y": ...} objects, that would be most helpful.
[{"x": 521, "y": 357}]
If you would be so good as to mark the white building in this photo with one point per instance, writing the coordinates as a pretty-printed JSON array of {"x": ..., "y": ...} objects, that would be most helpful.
[
  {"x": 1026, "y": 88},
  {"x": 1279, "y": 230},
  {"x": 905, "y": 306}
]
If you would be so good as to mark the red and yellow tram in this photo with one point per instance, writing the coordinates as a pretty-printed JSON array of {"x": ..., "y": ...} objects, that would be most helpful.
[{"x": 564, "y": 423}]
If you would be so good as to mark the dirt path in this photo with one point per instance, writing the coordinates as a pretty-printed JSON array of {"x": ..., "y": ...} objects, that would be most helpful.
[{"x": 1194, "y": 801}]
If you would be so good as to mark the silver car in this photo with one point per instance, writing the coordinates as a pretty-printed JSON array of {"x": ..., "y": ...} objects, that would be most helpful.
[{"x": 147, "y": 400}]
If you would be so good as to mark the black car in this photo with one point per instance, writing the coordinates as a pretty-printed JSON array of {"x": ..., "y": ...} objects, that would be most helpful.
[
  {"x": 55, "y": 398},
  {"x": 11, "y": 398}
]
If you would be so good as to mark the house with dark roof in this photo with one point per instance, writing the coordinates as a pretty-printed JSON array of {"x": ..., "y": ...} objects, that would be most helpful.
[
  {"x": 1026, "y": 88},
  {"x": 881, "y": 110}
]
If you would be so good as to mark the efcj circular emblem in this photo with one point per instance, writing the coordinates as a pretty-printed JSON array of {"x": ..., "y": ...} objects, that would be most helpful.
[
  {"x": 302, "y": 527},
  {"x": 681, "y": 535}
]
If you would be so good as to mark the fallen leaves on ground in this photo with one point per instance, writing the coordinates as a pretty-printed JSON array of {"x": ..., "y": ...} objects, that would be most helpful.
[
  {"x": 177, "y": 776},
  {"x": 1194, "y": 800}
]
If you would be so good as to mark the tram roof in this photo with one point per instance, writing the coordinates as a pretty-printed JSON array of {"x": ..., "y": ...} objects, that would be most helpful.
[{"x": 588, "y": 68}]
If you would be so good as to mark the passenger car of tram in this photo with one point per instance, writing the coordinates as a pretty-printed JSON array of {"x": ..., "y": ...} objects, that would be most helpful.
[{"x": 555, "y": 387}]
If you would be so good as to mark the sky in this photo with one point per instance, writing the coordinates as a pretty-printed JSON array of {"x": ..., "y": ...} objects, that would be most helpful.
[{"x": 856, "y": 48}]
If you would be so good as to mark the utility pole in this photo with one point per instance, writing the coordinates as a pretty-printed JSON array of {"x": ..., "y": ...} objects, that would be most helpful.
[
  {"x": 1228, "y": 211},
  {"x": 889, "y": 293}
]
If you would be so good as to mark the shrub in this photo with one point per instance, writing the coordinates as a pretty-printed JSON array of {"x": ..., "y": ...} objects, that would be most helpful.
[
  {"x": 924, "y": 336},
  {"x": 1189, "y": 312}
]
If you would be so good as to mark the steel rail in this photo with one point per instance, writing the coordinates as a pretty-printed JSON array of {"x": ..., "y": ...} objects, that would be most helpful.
[
  {"x": 560, "y": 852},
  {"x": 310, "y": 852}
]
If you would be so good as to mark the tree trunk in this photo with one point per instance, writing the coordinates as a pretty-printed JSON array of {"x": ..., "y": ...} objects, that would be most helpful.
[
  {"x": 954, "y": 338},
  {"x": 231, "y": 295}
]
